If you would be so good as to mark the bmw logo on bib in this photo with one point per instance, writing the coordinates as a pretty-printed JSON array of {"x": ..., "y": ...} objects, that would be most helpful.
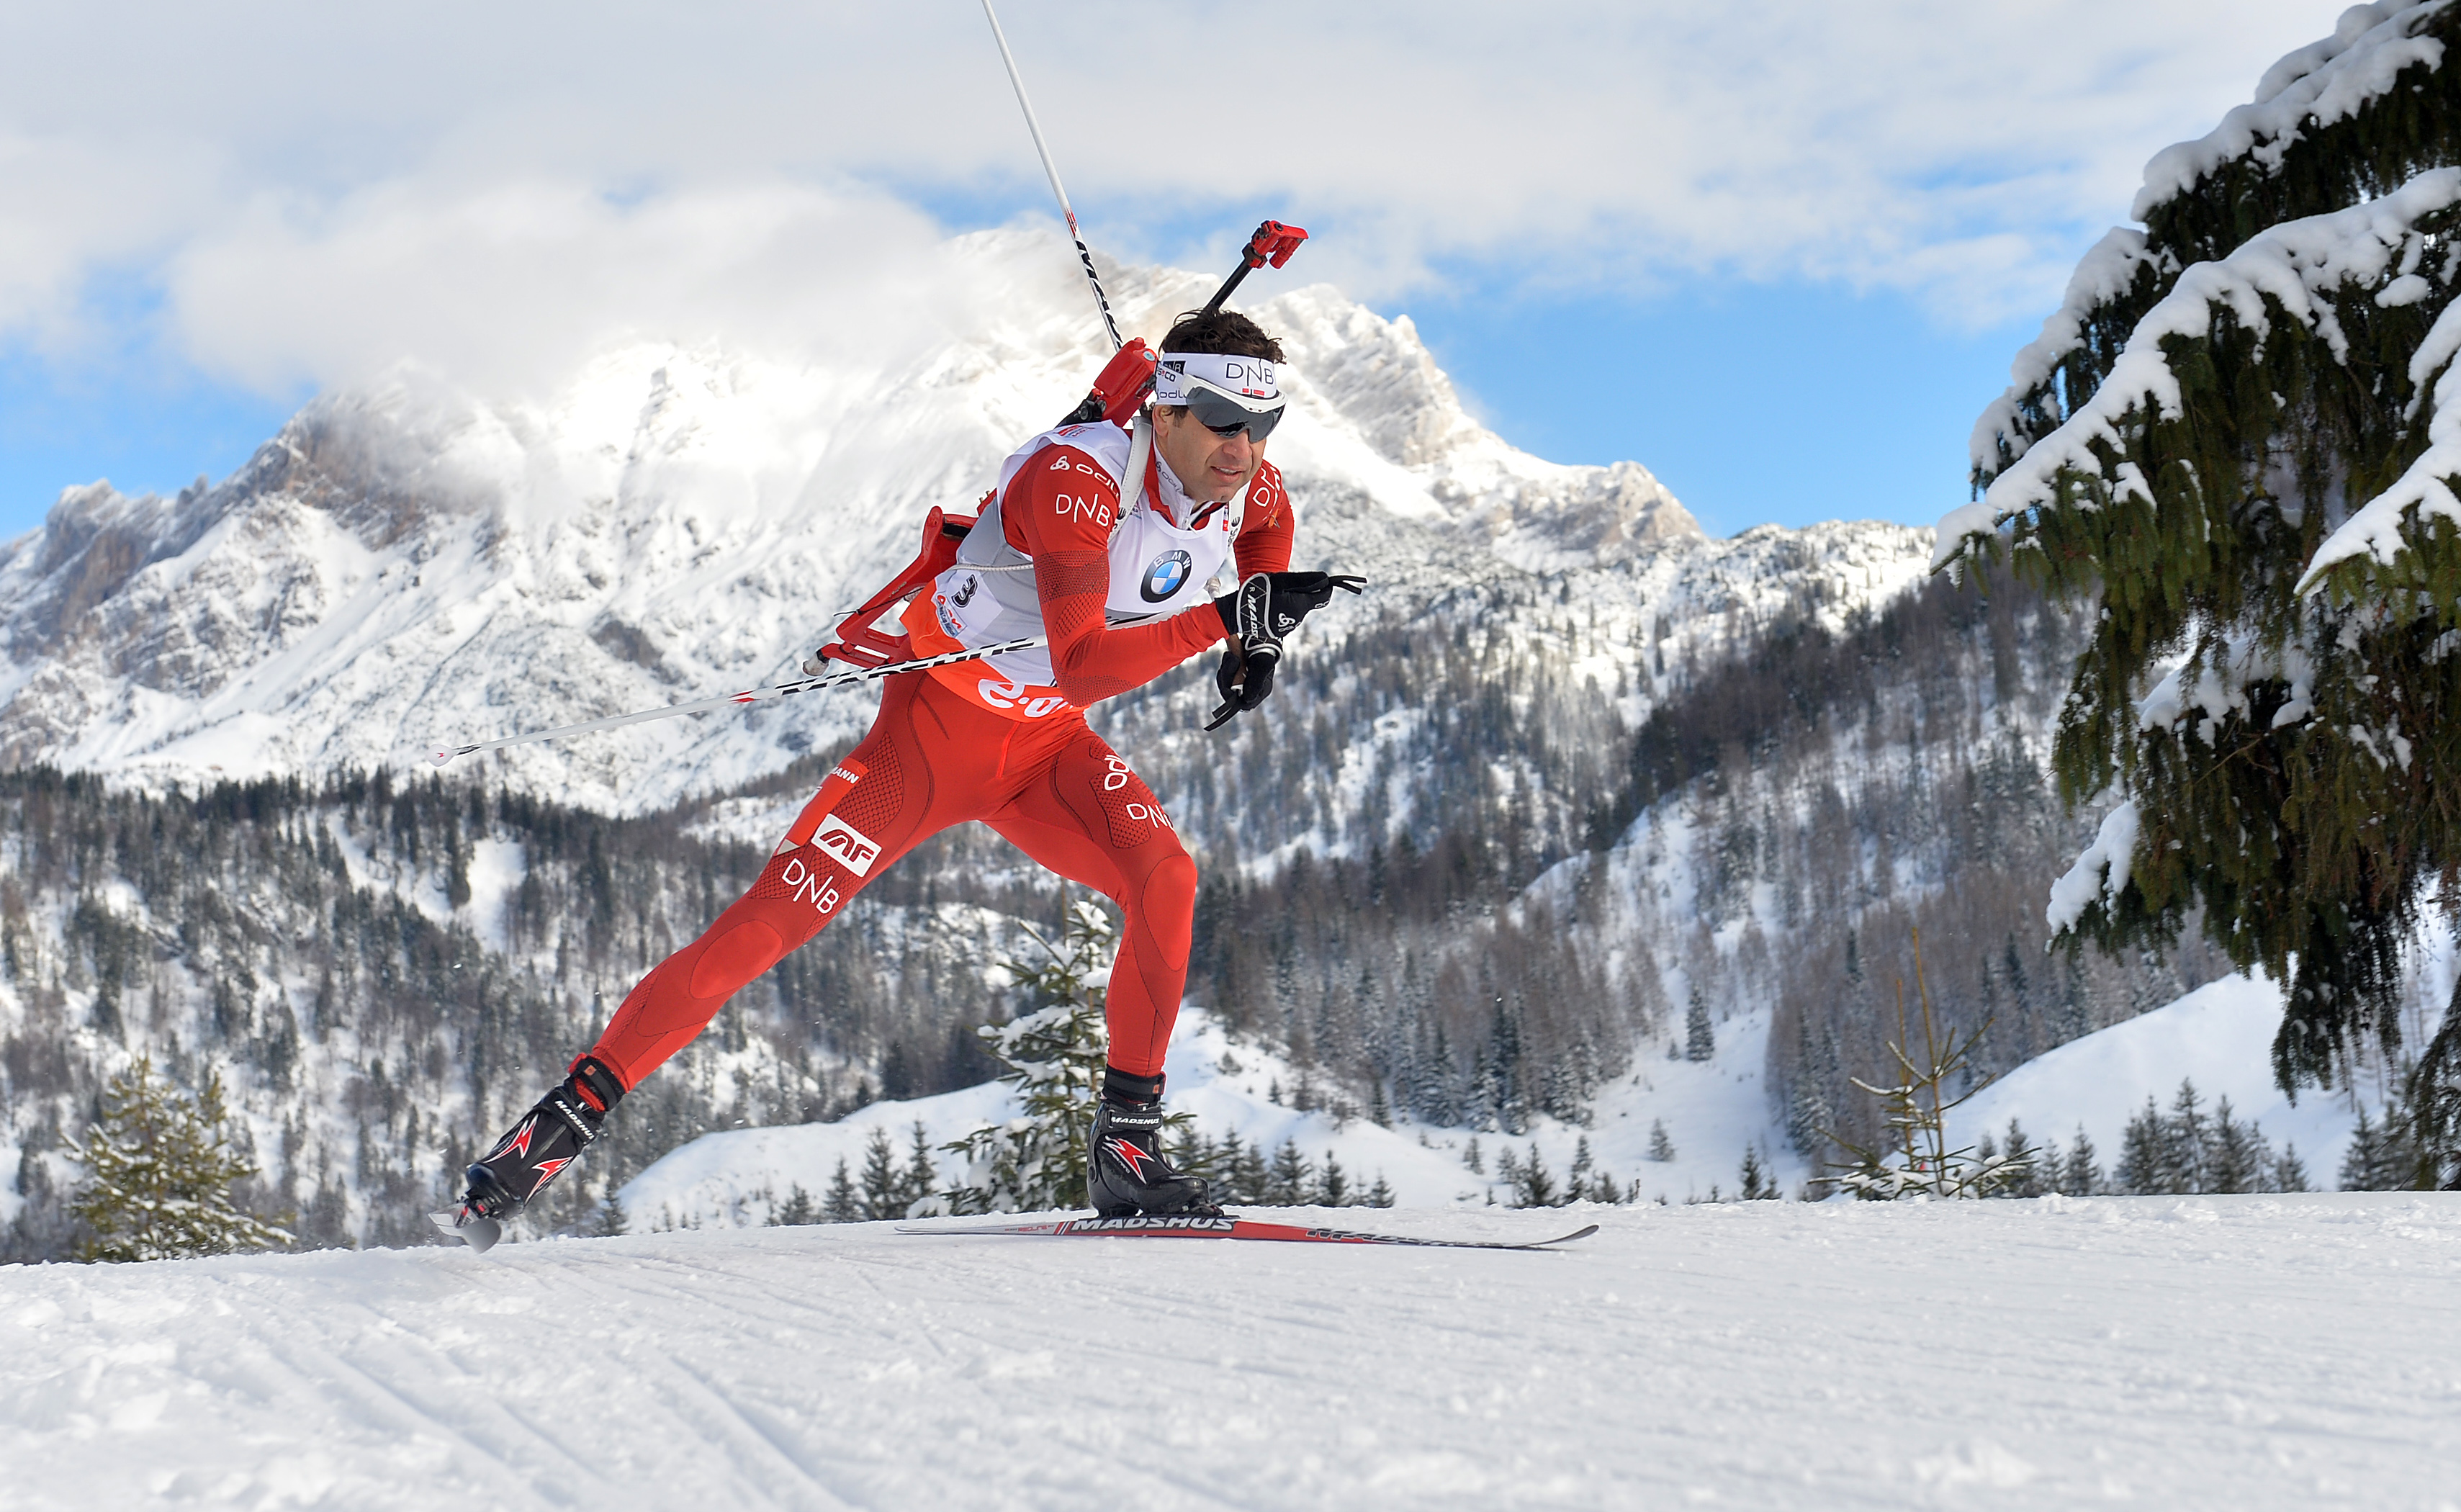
[{"x": 1164, "y": 577}]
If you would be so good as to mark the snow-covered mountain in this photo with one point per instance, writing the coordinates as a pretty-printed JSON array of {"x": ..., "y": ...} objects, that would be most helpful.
[{"x": 404, "y": 566}]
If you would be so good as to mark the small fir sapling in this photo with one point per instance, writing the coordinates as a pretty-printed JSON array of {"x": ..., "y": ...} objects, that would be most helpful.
[
  {"x": 1915, "y": 1157},
  {"x": 159, "y": 1167},
  {"x": 1053, "y": 1057}
]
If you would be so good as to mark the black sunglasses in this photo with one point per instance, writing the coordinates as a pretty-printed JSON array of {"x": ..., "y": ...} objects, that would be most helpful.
[{"x": 1225, "y": 417}]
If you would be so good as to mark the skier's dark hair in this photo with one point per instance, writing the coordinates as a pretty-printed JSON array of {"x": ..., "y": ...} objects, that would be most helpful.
[{"x": 1225, "y": 331}]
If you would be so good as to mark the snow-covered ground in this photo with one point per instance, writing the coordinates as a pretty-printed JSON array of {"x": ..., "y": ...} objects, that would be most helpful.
[{"x": 2225, "y": 1353}]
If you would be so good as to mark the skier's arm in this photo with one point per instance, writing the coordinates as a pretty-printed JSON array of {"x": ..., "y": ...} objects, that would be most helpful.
[
  {"x": 1266, "y": 533},
  {"x": 1062, "y": 518}
]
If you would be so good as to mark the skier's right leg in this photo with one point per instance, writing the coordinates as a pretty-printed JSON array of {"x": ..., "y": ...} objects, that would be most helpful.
[{"x": 906, "y": 781}]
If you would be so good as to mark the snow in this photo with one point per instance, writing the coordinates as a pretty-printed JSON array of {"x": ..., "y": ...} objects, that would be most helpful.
[
  {"x": 2219, "y": 1352},
  {"x": 2219, "y": 1036},
  {"x": 2103, "y": 274},
  {"x": 2297, "y": 267},
  {"x": 2311, "y": 89},
  {"x": 2114, "y": 851},
  {"x": 2375, "y": 529}
]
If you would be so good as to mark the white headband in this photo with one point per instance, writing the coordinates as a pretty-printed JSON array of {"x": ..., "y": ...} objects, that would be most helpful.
[{"x": 1251, "y": 380}]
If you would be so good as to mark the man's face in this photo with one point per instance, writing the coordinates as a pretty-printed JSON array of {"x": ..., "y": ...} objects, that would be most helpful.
[{"x": 1211, "y": 467}]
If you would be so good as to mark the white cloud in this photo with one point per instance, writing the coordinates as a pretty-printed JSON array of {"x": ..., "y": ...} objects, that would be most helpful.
[
  {"x": 509, "y": 285},
  {"x": 318, "y": 190}
]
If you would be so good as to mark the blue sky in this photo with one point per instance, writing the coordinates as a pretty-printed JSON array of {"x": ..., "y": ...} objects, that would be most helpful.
[{"x": 1779, "y": 253}]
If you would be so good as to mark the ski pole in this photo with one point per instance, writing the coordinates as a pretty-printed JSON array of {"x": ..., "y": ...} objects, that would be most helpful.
[
  {"x": 1100, "y": 301},
  {"x": 1272, "y": 242},
  {"x": 750, "y": 695}
]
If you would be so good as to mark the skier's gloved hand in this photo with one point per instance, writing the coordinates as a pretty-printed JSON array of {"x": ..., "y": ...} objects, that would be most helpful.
[
  {"x": 1266, "y": 607},
  {"x": 1269, "y": 606}
]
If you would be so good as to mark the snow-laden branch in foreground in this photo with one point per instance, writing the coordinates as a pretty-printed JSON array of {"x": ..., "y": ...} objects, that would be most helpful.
[
  {"x": 2216, "y": 685},
  {"x": 2104, "y": 274},
  {"x": 2320, "y": 84},
  {"x": 2297, "y": 266},
  {"x": 2114, "y": 851},
  {"x": 2375, "y": 530}
]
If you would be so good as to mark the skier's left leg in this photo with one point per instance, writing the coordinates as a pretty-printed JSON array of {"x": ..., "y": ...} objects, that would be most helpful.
[{"x": 1093, "y": 820}]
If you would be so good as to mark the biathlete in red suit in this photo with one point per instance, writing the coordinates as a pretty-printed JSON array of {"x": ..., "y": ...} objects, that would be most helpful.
[{"x": 1121, "y": 589}]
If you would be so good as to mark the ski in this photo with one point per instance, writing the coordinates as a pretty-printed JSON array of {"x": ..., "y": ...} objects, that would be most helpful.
[{"x": 1229, "y": 1229}]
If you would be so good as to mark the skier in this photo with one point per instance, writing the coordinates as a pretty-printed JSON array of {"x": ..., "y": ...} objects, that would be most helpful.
[{"x": 1115, "y": 571}]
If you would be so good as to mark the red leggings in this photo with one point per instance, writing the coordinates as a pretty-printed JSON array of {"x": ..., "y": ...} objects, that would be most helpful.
[{"x": 1051, "y": 785}]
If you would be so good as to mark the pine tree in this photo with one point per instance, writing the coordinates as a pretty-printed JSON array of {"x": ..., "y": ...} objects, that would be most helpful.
[
  {"x": 2378, "y": 1160},
  {"x": 1699, "y": 1037},
  {"x": 1250, "y": 1173},
  {"x": 2227, "y": 437},
  {"x": 2081, "y": 1174},
  {"x": 2141, "y": 1168},
  {"x": 797, "y": 1211},
  {"x": 2289, "y": 1173},
  {"x": 1380, "y": 1194},
  {"x": 1915, "y": 1157},
  {"x": 160, "y": 1169},
  {"x": 2040, "y": 1165},
  {"x": 2240, "y": 1162},
  {"x": 1333, "y": 1187},
  {"x": 1661, "y": 1145},
  {"x": 2184, "y": 1140},
  {"x": 1290, "y": 1180},
  {"x": 2430, "y": 1106},
  {"x": 1756, "y": 1185},
  {"x": 884, "y": 1190},
  {"x": 1473, "y": 1159},
  {"x": 1053, "y": 1057},
  {"x": 1807, "y": 1115},
  {"x": 843, "y": 1205},
  {"x": 922, "y": 1175},
  {"x": 1534, "y": 1185}
]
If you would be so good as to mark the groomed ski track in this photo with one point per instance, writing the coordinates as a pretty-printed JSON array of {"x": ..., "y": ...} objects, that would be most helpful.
[{"x": 2175, "y": 1352}]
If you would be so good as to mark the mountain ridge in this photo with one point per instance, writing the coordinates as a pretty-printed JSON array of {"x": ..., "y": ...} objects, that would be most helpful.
[{"x": 402, "y": 565}]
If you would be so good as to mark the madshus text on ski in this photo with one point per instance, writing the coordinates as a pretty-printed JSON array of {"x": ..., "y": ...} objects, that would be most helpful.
[{"x": 1092, "y": 567}]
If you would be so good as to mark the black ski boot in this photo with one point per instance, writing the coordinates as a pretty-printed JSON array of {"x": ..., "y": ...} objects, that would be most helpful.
[
  {"x": 1126, "y": 1174},
  {"x": 534, "y": 1150}
]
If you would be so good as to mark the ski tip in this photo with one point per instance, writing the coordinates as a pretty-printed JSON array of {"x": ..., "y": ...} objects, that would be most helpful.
[
  {"x": 440, "y": 758},
  {"x": 1577, "y": 1233},
  {"x": 478, "y": 1233}
]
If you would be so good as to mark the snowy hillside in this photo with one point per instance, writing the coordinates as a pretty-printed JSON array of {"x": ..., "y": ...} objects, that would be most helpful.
[
  {"x": 2228, "y": 1353},
  {"x": 747, "y": 1178},
  {"x": 403, "y": 568}
]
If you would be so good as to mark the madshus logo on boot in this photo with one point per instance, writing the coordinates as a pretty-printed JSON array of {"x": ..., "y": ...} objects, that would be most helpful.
[{"x": 1164, "y": 576}]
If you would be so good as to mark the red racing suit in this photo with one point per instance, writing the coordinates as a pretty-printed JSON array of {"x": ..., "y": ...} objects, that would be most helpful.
[{"x": 950, "y": 744}]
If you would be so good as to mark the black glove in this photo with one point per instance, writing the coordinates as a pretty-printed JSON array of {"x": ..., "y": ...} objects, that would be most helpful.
[{"x": 1268, "y": 607}]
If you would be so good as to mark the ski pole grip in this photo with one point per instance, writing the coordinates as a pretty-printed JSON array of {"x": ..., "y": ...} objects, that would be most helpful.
[{"x": 1274, "y": 243}]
